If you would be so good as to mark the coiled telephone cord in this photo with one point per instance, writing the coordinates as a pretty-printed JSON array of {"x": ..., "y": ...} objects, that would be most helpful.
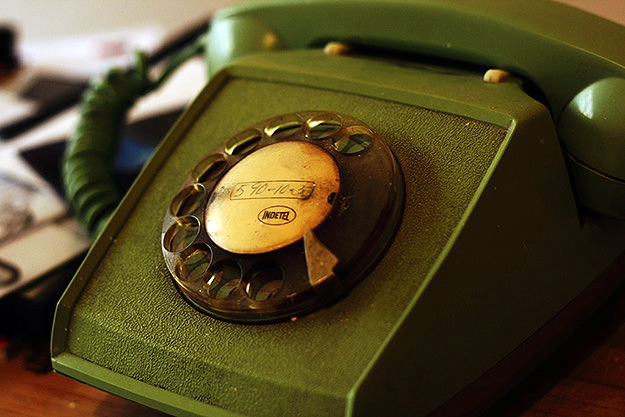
[{"x": 91, "y": 148}]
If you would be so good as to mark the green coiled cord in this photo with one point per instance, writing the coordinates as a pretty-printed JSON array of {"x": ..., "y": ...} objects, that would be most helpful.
[{"x": 89, "y": 184}]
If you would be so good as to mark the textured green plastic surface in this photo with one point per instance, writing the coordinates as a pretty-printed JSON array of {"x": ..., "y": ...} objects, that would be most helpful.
[
  {"x": 490, "y": 228},
  {"x": 124, "y": 386},
  {"x": 567, "y": 53},
  {"x": 284, "y": 346}
]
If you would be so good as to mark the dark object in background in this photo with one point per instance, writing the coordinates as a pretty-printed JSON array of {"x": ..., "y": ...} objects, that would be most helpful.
[
  {"x": 8, "y": 273},
  {"x": 27, "y": 315},
  {"x": 27, "y": 318},
  {"x": 53, "y": 94},
  {"x": 139, "y": 140},
  {"x": 8, "y": 59}
]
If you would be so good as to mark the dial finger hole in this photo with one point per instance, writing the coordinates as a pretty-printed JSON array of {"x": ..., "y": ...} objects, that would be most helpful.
[
  {"x": 265, "y": 282},
  {"x": 284, "y": 126},
  {"x": 244, "y": 142},
  {"x": 209, "y": 168},
  {"x": 323, "y": 126},
  {"x": 181, "y": 234},
  {"x": 223, "y": 279},
  {"x": 188, "y": 200},
  {"x": 354, "y": 139},
  {"x": 194, "y": 263}
]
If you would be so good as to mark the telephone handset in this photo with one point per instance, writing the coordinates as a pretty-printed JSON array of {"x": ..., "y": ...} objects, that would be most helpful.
[
  {"x": 297, "y": 174},
  {"x": 571, "y": 56}
]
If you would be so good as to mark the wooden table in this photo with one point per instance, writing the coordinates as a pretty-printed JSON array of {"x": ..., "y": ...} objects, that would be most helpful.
[{"x": 585, "y": 377}]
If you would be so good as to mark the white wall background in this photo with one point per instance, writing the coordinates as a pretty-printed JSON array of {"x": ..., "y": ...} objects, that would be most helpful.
[{"x": 37, "y": 20}]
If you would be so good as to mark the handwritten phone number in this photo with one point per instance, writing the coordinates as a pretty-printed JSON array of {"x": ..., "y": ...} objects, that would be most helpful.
[{"x": 300, "y": 190}]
